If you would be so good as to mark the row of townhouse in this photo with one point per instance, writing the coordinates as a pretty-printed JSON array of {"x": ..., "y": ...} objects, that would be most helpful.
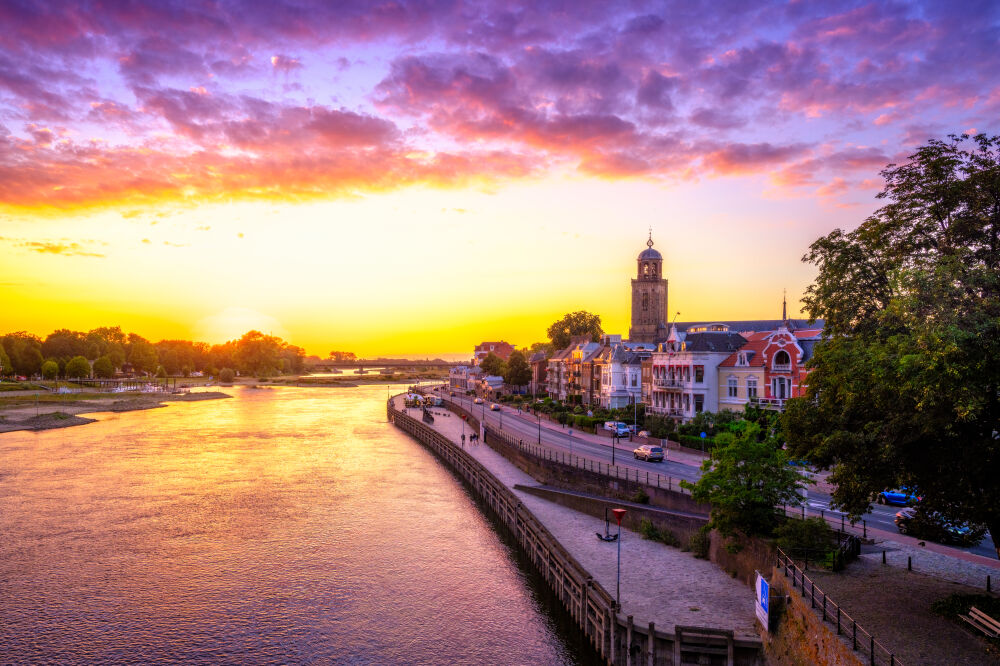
[
  {"x": 699, "y": 367},
  {"x": 607, "y": 373},
  {"x": 713, "y": 367}
]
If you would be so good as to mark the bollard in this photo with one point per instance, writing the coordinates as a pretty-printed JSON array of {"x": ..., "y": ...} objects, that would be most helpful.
[
  {"x": 803, "y": 511},
  {"x": 841, "y": 523},
  {"x": 909, "y": 563},
  {"x": 987, "y": 582},
  {"x": 864, "y": 525},
  {"x": 883, "y": 557}
]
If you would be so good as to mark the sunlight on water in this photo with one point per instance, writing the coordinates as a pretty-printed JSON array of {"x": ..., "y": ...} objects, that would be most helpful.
[{"x": 283, "y": 525}]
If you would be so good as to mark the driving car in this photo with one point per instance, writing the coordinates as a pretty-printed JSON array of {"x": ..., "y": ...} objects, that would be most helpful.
[
  {"x": 901, "y": 497},
  {"x": 452, "y": 394},
  {"x": 935, "y": 527},
  {"x": 494, "y": 407},
  {"x": 478, "y": 401},
  {"x": 649, "y": 453}
]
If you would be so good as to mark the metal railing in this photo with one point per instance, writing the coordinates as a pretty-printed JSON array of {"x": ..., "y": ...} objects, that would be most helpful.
[{"x": 860, "y": 640}]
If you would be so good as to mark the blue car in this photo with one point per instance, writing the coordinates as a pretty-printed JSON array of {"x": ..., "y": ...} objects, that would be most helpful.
[{"x": 901, "y": 497}]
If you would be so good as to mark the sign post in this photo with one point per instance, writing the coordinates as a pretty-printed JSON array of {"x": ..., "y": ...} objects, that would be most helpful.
[{"x": 761, "y": 603}]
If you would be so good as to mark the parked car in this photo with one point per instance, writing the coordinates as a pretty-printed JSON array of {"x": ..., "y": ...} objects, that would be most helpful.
[
  {"x": 643, "y": 433},
  {"x": 478, "y": 401},
  {"x": 933, "y": 526},
  {"x": 649, "y": 452},
  {"x": 495, "y": 407},
  {"x": 452, "y": 394},
  {"x": 901, "y": 497}
]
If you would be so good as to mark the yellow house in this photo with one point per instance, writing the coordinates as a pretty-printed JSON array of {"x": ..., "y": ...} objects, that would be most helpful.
[{"x": 742, "y": 376}]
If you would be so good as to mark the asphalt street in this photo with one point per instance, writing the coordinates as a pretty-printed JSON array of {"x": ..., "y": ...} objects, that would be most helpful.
[{"x": 532, "y": 430}]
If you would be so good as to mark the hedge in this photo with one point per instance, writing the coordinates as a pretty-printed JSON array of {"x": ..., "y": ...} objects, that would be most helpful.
[{"x": 693, "y": 442}]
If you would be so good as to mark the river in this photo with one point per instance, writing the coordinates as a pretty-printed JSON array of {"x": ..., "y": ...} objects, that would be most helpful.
[{"x": 284, "y": 525}]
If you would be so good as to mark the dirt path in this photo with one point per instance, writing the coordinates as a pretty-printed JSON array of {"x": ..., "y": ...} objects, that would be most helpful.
[{"x": 895, "y": 606}]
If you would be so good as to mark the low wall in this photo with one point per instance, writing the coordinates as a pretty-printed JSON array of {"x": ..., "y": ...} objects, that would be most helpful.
[
  {"x": 681, "y": 525},
  {"x": 618, "y": 640},
  {"x": 799, "y": 637}
]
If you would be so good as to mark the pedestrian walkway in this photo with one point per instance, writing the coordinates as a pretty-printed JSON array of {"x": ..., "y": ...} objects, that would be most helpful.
[{"x": 658, "y": 583}]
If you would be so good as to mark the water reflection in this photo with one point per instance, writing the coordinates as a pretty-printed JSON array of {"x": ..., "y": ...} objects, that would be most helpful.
[{"x": 283, "y": 525}]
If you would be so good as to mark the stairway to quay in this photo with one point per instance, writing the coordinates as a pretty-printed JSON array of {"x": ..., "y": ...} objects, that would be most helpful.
[{"x": 674, "y": 608}]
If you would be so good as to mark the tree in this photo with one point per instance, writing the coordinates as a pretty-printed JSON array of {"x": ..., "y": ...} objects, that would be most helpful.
[
  {"x": 50, "y": 369},
  {"x": 103, "y": 367},
  {"x": 258, "y": 354},
  {"x": 77, "y": 368},
  {"x": 5, "y": 366},
  {"x": 906, "y": 389},
  {"x": 107, "y": 341},
  {"x": 574, "y": 324},
  {"x": 744, "y": 480},
  {"x": 161, "y": 372},
  {"x": 141, "y": 353},
  {"x": 226, "y": 375},
  {"x": 64, "y": 344},
  {"x": 24, "y": 351},
  {"x": 493, "y": 365},
  {"x": 518, "y": 371}
]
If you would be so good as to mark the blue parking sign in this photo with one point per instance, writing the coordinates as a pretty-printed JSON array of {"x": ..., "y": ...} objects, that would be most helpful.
[{"x": 761, "y": 605}]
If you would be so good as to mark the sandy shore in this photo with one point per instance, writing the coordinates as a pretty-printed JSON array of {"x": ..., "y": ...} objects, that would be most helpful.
[{"x": 62, "y": 414}]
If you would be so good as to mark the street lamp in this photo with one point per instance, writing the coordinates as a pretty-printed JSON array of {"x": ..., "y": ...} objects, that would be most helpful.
[
  {"x": 619, "y": 513},
  {"x": 539, "y": 417},
  {"x": 614, "y": 438}
]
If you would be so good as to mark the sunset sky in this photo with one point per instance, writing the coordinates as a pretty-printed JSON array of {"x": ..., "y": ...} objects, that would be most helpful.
[{"x": 416, "y": 177}]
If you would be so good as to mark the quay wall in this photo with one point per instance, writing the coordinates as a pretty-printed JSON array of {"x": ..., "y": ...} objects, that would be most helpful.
[{"x": 617, "y": 639}]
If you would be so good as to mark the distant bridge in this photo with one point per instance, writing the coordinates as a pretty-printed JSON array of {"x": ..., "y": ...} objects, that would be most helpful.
[{"x": 395, "y": 364}]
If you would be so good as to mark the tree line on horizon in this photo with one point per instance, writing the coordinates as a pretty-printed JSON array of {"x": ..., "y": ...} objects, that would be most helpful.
[{"x": 107, "y": 350}]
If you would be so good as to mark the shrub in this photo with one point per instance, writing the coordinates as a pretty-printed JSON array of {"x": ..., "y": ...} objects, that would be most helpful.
[
  {"x": 652, "y": 533},
  {"x": 563, "y": 418},
  {"x": 161, "y": 372},
  {"x": 640, "y": 496},
  {"x": 77, "y": 368},
  {"x": 103, "y": 367},
  {"x": 50, "y": 369},
  {"x": 810, "y": 537},
  {"x": 700, "y": 542},
  {"x": 226, "y": 375}
]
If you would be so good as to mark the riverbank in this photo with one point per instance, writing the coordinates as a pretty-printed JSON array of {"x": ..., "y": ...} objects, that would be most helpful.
[{"x": 62, "y": 410}]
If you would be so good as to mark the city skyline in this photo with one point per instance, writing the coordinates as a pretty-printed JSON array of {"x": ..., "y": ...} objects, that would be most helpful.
[{"x": 418, "y": 178}]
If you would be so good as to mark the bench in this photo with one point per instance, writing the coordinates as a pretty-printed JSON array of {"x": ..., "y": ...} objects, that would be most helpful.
[{"x": 982, "y": 622}]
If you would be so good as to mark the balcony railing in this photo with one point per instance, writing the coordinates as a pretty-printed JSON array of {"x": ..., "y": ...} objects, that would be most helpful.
[
  {"x": 769, "y": 403},
  {"x": 670, "y": 383},
  {"x": 781, "y": 367}
]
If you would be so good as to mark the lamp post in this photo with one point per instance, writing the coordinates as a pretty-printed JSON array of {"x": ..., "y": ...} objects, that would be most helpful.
[
  {"x": 614, "y": 438},
  {"x": 539, "y": 417},
  {"x": 619, "y": 513}
]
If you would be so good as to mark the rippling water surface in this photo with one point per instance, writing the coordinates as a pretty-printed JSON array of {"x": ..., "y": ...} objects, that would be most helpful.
[{"x": 281, "y": 526}]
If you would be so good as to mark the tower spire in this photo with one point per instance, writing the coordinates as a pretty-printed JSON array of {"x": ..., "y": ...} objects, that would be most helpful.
[
  {"x": 649, "y": 243},
  {"x": 784, "y": 306}
]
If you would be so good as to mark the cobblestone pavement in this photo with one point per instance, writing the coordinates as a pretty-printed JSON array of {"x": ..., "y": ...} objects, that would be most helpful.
[{"x": 658, "y": 583}]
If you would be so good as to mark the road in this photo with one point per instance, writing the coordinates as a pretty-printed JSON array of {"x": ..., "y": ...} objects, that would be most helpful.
[{"x": 532, "y": 430}]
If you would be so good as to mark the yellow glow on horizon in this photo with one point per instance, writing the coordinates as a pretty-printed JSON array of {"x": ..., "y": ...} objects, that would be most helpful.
[{"x": 417, "y": 271}]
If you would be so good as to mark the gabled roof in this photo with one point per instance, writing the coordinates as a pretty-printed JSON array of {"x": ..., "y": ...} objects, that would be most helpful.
[
  {"x": 537, "y": 356},
  {"x": 753, "y": 324}
]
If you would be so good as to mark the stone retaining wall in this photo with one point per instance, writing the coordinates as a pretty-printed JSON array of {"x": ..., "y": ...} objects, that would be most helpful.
[{"x": 618, "y": 640}]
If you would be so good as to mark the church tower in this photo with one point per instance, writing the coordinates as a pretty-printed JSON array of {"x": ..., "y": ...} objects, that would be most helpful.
[{"x": 649, "y": 297}]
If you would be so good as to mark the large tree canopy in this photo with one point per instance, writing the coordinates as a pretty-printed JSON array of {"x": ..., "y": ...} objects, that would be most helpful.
[
  {"x": 573, "y": 324},
  {"x": 518, "y": 372},
  {"x": 906, "y": 390}
]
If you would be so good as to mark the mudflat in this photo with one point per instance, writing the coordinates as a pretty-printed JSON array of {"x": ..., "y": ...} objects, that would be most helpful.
[{"x": 63, "y": 413}]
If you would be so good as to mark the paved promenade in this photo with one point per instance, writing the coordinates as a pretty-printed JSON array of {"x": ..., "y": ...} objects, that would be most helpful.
[{"x": 658, "y": 583}]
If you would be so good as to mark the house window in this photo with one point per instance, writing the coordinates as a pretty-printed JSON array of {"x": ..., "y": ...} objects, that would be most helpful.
[
  {"x": 751, "y": 387},
  {"x": 699, "y": 373},
  {"x": 699, "y": 404},
  {"x": 779, "y": 388},
  {"x": 733, "y": 385}
]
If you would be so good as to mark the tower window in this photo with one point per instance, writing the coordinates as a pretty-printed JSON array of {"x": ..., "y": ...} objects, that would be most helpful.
[{"x": 645, "y": 301}]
